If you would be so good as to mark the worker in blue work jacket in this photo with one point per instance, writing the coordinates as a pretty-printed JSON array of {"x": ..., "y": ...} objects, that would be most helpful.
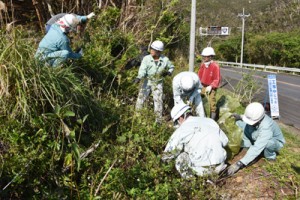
[
  {"x": 154, "y": 68},
  {"x": 55, "y": 18},
  {"x": 261, "y": 134},
  {"x": 54, "y": 49}
]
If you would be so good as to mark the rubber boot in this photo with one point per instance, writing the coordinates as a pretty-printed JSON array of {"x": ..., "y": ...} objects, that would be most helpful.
[{"x": 213, "y": 115}]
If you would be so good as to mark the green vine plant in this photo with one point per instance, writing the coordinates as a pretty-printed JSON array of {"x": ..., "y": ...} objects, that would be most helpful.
[{"x": 61, "y": 114}]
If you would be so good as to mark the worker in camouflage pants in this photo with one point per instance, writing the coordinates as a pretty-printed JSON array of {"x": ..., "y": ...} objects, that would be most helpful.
[{"x": 153, "y": 69}]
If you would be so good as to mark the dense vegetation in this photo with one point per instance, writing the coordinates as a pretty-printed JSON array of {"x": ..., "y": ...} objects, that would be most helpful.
[
  {"x": 276, "y": 49},
  {"x": 72, "y": 132}
]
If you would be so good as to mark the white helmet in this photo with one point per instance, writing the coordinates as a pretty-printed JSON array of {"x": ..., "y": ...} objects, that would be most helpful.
[
  {"x": 70, "y": 21},
  {"x": 254, "y": 112},
  {"x": 157, "y": 45},
  {"x": 208, "y": 51},
  {"x": 187, "y": 83},
  {"x": 178, "y": 110}
]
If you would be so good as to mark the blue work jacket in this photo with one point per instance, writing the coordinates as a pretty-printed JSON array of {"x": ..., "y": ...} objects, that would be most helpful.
[{"x": 259, "y": 136}]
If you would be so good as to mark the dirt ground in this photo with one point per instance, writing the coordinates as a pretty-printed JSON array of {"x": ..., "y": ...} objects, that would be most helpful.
[{"x": 256, "y": 183}]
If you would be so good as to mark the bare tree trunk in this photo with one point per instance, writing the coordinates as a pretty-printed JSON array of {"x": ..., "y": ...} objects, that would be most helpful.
[
  {"x": 38, "y": 14},
  {"x": 128, "y": 14},
  {"x": 100, "y": 4},
  {"x": 62, "y": 6},
  {"x": 77, "y": 6},
  {"x": 49, "y": 8},
  {"x": 112, "y": 3}
]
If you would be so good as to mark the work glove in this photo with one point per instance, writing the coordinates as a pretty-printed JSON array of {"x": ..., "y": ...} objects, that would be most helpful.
[
  {"x": 136, "y": 80},
  {"x": 89, "y": 16},
  {"x": 166, "y": 157},
  {"x": 165, "y": 73},
  {"x": 208, "y": 89},
  {"x": 188, "y": 103},
  {"x": 236, "y": 116},
  {"x": 234, "y": 168},
  {"x": 81, "y": 52},
  {"x": 191, "y": 100}
]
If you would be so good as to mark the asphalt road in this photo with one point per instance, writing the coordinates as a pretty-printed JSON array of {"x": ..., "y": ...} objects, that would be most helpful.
[{"x": 288, "y": 87}]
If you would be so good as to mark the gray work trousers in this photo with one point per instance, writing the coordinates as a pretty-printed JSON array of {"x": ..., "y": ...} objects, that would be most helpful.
[{"x": 157, "y": 92}]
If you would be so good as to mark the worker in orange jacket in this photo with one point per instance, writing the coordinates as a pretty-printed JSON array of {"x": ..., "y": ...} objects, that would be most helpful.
[{"x": 209, "y": 75}]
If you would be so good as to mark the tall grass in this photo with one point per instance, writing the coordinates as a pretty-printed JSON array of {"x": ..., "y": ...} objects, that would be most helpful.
[
  {"x": 30, "y": 89},
  {"x": 42, "y": 111}
]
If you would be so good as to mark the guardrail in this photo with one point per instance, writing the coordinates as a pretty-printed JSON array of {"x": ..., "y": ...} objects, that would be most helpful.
[{"x": 262, "y": 67}]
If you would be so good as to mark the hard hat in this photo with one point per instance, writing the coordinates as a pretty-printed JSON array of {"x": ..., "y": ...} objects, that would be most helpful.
[
  {"x": 208, "y": 51},
  {"x": 70, "y": 21},
  {"x": 187, "y": 83},
  {"x": 254, "y": 112},
  {"x": 157, "y": 45},
  {"x": 178, "y": 110}
]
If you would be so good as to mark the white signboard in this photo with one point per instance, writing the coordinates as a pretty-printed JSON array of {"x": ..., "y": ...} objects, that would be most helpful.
[
  {"x": 214, "y": 30},
  {"x": 224, "y": 30},
  {"x": 273, "y": 95}
]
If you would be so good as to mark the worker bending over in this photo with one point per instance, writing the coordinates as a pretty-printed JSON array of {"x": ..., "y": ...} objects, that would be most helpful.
[
  {"x": 261, "y": 134},
  {"x": 197, "y": 145},
  {"x": 54, "y": 49},
  {"x": 186, "y": 85}
]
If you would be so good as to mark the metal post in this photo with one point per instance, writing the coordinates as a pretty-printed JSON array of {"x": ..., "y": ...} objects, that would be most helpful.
[
  {"x": 192, "y": 36},
  {"x": 243, "y": 16}
]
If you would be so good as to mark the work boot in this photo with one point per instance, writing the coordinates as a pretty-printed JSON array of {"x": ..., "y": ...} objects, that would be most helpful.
[{"x": 213, "y": 115}]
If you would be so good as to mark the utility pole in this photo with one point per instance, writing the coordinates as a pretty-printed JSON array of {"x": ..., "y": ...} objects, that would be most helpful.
[
  {"x": 243, "y": 16},
  {"x": 192, "y": 36}
]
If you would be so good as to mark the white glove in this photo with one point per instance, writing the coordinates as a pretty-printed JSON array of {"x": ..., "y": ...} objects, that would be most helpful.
[
  {"x": 208, "y": 89},
  {"x": 89, "y": 16},
  {"x": 81, "y": 52},
  {"x": 188, "y": 103}
]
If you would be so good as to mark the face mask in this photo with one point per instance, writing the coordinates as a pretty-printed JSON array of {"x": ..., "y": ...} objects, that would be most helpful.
[{"x": 207, "y": 64}]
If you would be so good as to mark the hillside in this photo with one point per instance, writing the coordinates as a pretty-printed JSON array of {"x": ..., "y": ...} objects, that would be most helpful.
[
  {"x": 72, "y": 132},
  {"x": 266, "y": 15}
]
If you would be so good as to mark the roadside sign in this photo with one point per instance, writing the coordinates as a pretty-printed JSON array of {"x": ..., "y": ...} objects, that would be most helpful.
[
  {"x": 214, "y": 30},
  {"x": 273, "y": 95}
]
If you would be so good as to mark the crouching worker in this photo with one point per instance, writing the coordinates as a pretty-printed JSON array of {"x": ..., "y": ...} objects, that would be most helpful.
[
  {"x": 261, "y": 134},
  {"x": 54, "y": 49},
  {"x": 187, "y": 85},
  {"x": 197, "y": 145}
]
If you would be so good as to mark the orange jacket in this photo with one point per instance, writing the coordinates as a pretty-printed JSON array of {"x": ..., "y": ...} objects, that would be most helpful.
[{"x": 210, "y": 75}]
